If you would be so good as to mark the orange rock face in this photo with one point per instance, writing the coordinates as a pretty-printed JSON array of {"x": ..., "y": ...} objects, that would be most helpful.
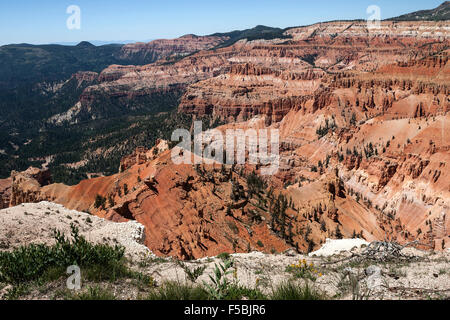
[
  {"x": 142, "y": 155},
  {"x": 5, "y": 193},
  {"x": 188, "y": 212},
  {"x": 23, "y": 187}
]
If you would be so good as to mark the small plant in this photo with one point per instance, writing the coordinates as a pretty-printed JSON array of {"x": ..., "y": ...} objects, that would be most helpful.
[
  {"x": 193, "y": 274},
  {"x": 111, "y": 201},
  {"x": 94, "y": 293},
  {"x": 148, "y": 261},
  {"x": 220, "y": 285},
  {"x": 173, "y": 291},
  {"x": 224, "y": 256},
  {"x": 349, "y": 283},
  {"x": 292, "y": 291},
  {"x": 338, "y": 232},
  {"x": 238, "y": 292},
  {"x": 255, "y": 184},
  {"x": 15, "y": 292},
  {"x": 4, "y": 244},
  {"x": 100, "y": 202},
  {"x": 304, "y": 270}
]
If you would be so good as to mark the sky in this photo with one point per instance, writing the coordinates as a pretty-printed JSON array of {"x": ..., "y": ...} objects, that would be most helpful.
[{"x": 45, "y": 21}]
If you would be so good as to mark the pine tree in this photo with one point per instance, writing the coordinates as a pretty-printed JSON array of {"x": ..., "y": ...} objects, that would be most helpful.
[
  {"x": 311, "y": 246},
  {"x": 338, "y": 233}
]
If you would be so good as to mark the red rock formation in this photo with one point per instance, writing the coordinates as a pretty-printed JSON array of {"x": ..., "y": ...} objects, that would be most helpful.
[
  {"x": 273, "y": 77},
  {"x": 184, "y": 208},
  {"x": 165, "y": 48},
  {"x": 85, "y": 76},
  {"x": 142, "y": 155},
  {"x": 5, "y": 192},
  {"x": 26, "y": 186}
]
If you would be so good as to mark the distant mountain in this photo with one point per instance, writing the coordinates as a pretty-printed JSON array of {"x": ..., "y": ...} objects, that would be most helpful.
[
  {"x": 85, "y": 44},
  {"x": 256, "y": 33},
  {"x": 101, "y": 42},
  {"x": 24, "y": 64},
  {"x": 438, "y": 14}
]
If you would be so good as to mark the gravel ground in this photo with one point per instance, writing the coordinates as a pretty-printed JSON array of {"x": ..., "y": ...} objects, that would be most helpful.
[{"x": 427, "y": 278}]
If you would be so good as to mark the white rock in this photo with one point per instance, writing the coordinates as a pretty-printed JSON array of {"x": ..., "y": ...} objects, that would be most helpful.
[{"x": 332, "y": 247}]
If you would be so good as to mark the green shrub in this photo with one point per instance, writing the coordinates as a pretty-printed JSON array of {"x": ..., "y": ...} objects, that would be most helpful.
[
  {"x": 15, "y": 292},
  {"x": 238, "y": 292},
  {"x": 219, "y": 286},
  {"x": 193, "y": 274},
  {"x": 39, "y": 261},
  {"x": 293, "y": 291},
  {"x": 177, "y": 291},
  {"x": 93, "y": 293},
  {"x": 172, "y": 290},
  {"x": 224, "y": 256},
  {"x": 255, "y": 184},
  {"x": 99, "y": 202}
]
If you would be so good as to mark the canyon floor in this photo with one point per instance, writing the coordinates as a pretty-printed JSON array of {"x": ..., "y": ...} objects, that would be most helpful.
[{"x": 416, "y": 275}]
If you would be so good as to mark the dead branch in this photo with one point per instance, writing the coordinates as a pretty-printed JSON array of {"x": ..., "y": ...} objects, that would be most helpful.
[{"x": 381, "y": 251}]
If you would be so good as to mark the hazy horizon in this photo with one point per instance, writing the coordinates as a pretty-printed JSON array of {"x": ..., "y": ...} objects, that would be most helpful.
[{"x": 30, "y": 22}]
